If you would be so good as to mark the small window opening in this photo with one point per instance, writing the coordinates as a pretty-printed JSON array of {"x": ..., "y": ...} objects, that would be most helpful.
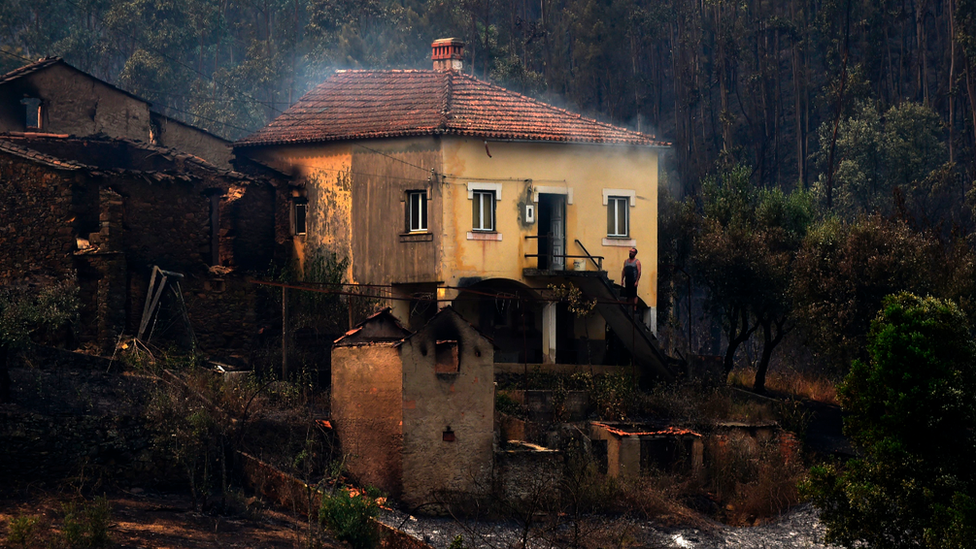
[
  {"x": 446, "y": 357},
  {"x": 299, "y": 217},
  {"x": 32, "y": 113},
  {"x": 448, "y": 435}
]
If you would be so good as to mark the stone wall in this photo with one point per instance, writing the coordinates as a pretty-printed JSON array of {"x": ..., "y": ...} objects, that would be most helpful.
[
  {"x": 36, "y": 237},
  {"x": 223, "y": 311},
  {"x": 75, "y": 103},
  {"x": 248, "y": 227},
  {"x": 177, "y": 135},
  {"x": 38, "y": 447},
  {"x": 526, "y": 474},
  {"x": 134, "y": 221}
]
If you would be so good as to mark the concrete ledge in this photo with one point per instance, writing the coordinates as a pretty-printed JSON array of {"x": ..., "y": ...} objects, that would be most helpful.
[{"x": 563, "y": 369}]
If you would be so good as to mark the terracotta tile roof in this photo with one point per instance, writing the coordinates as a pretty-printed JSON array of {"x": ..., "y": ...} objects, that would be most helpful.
[
  {"x": 637, "y": 432},
  {"x": 398, "y": 103},
  {"x": 18, "y": 150},
  {"x": 111, "y": 155}
]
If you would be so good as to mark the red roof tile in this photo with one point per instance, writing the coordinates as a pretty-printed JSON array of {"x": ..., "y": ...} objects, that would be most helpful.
[
  {"x": 667, "y": 431},
  {"x": 398, "y": 103}
]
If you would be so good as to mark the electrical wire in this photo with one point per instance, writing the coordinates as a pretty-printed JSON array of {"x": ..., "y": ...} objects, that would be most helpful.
[
  {"x": 16, "y": 56},
  {"x": 428, "y": 170}
]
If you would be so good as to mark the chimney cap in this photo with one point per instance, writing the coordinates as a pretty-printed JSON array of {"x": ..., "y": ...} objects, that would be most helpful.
[
  {"x": 447, "y": 54},
  {"x": 450, "y": 43}
]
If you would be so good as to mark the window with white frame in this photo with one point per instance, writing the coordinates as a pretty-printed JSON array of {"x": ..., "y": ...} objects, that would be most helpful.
[
  {"x": 416, "y": 211},
  {"x": 618, "y": 216},
  {"x": 483, "y": 210}
]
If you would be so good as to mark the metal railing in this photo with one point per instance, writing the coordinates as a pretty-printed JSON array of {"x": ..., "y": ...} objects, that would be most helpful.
[{"x": 549, "y": 255}]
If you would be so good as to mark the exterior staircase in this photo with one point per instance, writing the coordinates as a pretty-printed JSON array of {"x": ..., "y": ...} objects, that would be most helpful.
[{"x": 638, "y": 339}]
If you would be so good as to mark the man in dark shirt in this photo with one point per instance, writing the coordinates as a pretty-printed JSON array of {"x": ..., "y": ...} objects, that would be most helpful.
[{"x": 630, "y": 276}]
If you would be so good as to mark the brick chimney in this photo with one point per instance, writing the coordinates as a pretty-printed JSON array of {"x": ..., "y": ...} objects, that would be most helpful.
[{"x": 447, "y": 54}]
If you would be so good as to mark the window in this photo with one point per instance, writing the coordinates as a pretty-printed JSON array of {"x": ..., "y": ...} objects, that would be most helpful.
[
  {"x": 416, "y": 211},
  {"x": 32, "y": 113},
  {"x": 483, "y": 197},
  {"x": 299, "y": 217},
  {"x": 618, "y": 216},
  {"x": 483, "y": 211}
]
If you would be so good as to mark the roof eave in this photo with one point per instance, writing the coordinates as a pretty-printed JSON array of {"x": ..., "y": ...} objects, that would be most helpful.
[{"x": 489, "y": 136}]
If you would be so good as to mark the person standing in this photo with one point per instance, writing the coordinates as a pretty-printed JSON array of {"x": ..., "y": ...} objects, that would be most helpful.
[{"x": 630, "y": 276}]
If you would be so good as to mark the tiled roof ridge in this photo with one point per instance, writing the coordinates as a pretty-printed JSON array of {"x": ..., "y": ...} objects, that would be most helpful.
[
  {"x": 19, "y": 150},
  {"x": 177, "y": 154},
  {"x": 29, "y": 68},
  {"x": 446, "y": 114},
  {"x": 549, "y": 106}
]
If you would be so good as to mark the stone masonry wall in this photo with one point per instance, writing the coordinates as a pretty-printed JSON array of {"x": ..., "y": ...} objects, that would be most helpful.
[{"x": 36, "y": 227}]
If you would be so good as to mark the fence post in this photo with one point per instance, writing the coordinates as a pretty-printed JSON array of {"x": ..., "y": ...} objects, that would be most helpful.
[{"x": 284, "y": 333}]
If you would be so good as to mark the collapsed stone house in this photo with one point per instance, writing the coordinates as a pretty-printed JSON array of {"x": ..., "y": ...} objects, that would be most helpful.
[
  {"x": 414, "y": 411},
  {"x": 98, "y": 189},
  {"x": 51, "y": 96},
  {"x": 103, "y": 212}
]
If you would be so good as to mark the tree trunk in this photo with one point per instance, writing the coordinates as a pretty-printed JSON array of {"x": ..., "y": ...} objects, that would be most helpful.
[
  {"x": 770, "y": 342},
  {"x": 739, "y": 333}
]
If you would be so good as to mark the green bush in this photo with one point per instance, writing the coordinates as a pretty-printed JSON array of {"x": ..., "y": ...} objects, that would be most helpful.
[
  {"x": 910, "y": 409},
  {"x": 349, "y": 516},
  {"x": 23, "y": 531},
  {"x": 86, "y": 524},
  {"x": 505, "y": 404}
]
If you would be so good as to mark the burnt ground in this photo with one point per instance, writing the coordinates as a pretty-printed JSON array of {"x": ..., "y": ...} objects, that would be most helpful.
[
  {"x": 152, "y": 519},
  {"x": 163, "y": 521},
  {"x": 799, "y": 528}
]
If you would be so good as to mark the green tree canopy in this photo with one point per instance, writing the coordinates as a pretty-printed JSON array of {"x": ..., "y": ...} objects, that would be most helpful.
[
  {"x": 743, "y": 255},
  {"x": 912, "y": 409}
]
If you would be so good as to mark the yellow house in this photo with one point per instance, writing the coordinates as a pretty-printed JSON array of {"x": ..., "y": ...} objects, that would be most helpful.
[{"x": 445, "y": 189}]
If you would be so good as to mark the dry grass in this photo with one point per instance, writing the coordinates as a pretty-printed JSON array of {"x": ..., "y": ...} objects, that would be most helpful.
[
  {"x": 752, "y": 484},
  {"x": 798, "y": 384}
]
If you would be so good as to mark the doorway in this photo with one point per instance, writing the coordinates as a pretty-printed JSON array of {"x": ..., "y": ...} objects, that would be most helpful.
[{"x": 552, "y": 231}]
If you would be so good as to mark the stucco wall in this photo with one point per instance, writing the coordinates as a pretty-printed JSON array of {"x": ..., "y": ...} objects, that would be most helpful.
[
  {"x": 76, "y": 104},
  {"x": 613, "y": 449},
  {"x": 579, "y": 171},
  {"x": 384, "y": 252},
  {"x": 355, "y": 194},
  {"x": 433, "y": 402},
  {"x": 356, "y": 205},
  {"x": 366, "y": 412}
]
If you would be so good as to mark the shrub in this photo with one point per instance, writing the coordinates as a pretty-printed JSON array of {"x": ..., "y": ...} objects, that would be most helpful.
[
  {"x": 350, "y": 517},
  {"x": 23, "y": 530},
  {"x": 86, "y": 524},
  {"x": 910, "y": 408}
]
